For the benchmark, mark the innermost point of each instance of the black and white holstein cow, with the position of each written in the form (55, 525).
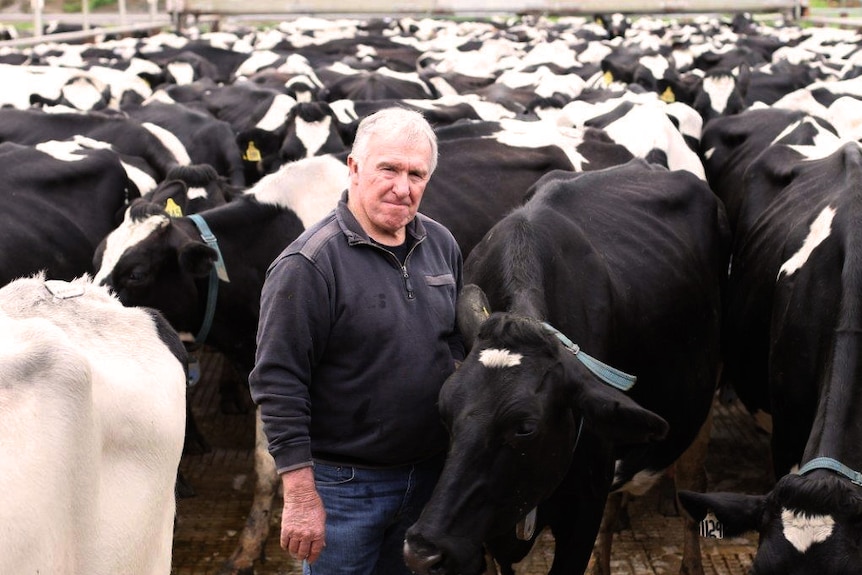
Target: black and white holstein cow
(794, 319)
(59, 201)
(627, 262)
(147, 151)
(730, 144)
(92, 412)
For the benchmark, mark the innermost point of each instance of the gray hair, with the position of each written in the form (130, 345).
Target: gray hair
(395, 122)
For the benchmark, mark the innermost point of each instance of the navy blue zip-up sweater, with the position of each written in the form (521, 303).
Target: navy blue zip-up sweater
(352, 347)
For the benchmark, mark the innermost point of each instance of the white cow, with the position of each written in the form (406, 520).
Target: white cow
(92, 417)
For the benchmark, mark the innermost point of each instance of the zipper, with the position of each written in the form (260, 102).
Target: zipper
(408, 283)
(405, 275)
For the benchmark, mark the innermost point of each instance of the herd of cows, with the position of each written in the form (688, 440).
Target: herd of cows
(660, 202)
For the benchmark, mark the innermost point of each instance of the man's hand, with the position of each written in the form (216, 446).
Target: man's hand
(302, 518)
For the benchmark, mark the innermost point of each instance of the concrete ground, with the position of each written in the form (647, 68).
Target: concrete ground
(208, 524)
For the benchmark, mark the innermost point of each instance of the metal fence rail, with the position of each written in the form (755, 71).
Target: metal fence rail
(456, 6)
(480, 6)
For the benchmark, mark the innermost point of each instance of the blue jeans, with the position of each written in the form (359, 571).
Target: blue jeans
(368, 512)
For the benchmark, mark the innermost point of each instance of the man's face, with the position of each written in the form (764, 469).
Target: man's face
(387, 186)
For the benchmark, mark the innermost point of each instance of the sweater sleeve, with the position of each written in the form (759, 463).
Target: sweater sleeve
(294, 311)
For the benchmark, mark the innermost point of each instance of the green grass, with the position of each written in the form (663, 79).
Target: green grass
(75, 6)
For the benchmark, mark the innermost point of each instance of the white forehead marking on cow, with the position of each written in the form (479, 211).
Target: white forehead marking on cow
(656, 64)
(277, 112)
(803, 531)
(82, 93)
(195, 193)
(313, 134)
(499, 358)
(708, 154)
(288, 187)
(171, 142)
(125, 236)
(719, 89)
(142, 180)
(182, 72)
(820, 229)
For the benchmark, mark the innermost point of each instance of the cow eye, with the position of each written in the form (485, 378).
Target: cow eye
(135, 277)
(525, 429)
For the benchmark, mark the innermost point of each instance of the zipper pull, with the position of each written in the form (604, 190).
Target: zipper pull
(408, 284)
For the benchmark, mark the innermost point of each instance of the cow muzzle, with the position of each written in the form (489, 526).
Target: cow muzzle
(426, 558)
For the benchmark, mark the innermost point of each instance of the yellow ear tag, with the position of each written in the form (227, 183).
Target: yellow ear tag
(485, 311)
(252, 154)
(667, 96)
(608, 77)
(173, 209)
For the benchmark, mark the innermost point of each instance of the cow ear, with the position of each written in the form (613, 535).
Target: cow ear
(173, 197)
(473, 310)
(738, 513)
(197, 258)
(608, 410)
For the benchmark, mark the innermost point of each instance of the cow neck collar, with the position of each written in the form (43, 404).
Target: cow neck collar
(217, 272)
(833, 465)
(610, 375)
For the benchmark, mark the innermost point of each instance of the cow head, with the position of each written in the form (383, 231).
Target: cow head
(514, 411)
(722, 92)
(151, 261)
(807, 524)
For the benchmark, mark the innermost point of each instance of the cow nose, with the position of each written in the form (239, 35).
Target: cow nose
(421, 556)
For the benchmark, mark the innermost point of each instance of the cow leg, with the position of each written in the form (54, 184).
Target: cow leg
(604, 539)
(254, 534)
(690, 474)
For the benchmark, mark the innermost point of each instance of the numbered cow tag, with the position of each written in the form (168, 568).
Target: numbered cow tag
(711, 527)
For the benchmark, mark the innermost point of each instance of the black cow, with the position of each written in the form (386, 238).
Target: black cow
(206, 139)
(792, 337)
(345, 83)
(628, 263)
(57, 207)
(148, 152)
(730, 144)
